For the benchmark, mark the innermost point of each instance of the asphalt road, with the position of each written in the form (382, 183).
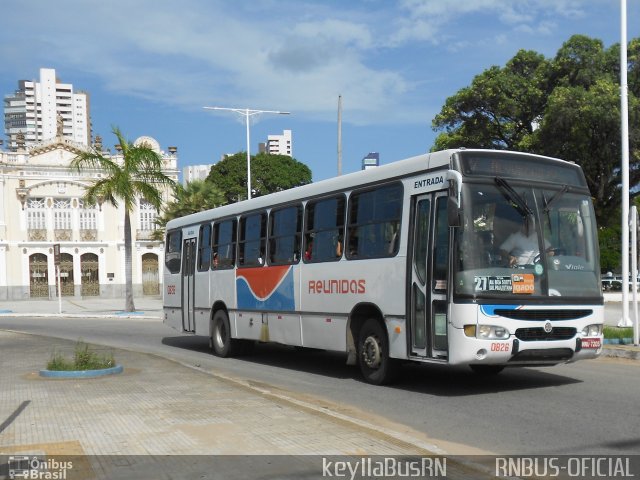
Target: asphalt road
(584, 408)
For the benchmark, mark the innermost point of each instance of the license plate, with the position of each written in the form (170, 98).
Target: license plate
(591, 343)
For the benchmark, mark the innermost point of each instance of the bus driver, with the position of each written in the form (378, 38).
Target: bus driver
(521, 247)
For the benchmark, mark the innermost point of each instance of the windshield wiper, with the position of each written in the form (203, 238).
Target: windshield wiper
(556, 197)
(512, 196)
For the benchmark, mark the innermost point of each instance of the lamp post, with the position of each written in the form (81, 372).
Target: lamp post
(624, 127)
(246, 113)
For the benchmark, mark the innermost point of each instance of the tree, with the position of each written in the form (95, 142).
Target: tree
(196, 196)
(136, 174)
(583, 126)
(567, 107)
(269, 174)
(500, 108)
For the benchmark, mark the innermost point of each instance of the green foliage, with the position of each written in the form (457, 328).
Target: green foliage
(138, 175)
(617, 333)
(84, 359)
(610, 247)
(197, 196)
(500, 107)
(137, 172)
(567, 107)
(269, 174)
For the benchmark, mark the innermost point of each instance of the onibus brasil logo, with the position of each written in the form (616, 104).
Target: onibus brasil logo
(37, 468)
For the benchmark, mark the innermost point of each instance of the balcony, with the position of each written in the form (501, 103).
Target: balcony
(88, 235)
(63, 234)
(37, 234)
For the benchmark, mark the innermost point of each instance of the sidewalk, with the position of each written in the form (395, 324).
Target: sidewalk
(160, 419)
(149, 307)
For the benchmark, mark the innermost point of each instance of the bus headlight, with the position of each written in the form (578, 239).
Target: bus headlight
(492, 332)
(592, 330)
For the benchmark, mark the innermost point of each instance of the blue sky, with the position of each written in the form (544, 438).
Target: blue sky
(151, 65)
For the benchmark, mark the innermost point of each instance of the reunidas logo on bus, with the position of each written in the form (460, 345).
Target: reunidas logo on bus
(335, 286)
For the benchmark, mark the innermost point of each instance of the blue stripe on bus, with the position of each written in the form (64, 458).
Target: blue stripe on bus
(490, 310)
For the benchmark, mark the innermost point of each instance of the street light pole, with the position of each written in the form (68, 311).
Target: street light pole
(246, 113)
(624, 127)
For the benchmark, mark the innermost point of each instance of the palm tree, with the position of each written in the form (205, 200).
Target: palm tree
(138, 175)
(196, 196)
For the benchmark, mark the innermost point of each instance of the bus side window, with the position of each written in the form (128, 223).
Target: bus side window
(224, 244)
(173, 251)
(324, 230)
(441, 245)
(285, 226)
(253, 230)
(374, 222)
(204, 248)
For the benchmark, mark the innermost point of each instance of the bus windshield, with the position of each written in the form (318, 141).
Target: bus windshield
(520, 241)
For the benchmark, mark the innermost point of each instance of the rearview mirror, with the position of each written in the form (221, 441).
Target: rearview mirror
(453, 212)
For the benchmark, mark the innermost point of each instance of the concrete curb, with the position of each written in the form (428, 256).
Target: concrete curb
(114, 316)
(629, 352)
(81, 373)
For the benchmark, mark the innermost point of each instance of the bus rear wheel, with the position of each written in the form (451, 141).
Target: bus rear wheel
(373, 354)
(221, 342)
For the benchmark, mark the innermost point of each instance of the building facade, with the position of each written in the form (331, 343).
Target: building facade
(372, 160)
(195, 172)
(41, 206)
(35, 111)
(280, 144)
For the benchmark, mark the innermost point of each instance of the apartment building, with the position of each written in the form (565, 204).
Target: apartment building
(280, 144)
(35, 111)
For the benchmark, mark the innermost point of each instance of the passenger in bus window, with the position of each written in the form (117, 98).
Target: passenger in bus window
(353, 241)
(309, 251)
(338, 247)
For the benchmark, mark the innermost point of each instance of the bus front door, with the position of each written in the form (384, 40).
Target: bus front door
(188, 284)
(428, 265)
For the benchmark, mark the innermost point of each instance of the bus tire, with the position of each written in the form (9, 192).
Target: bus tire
(373, 354)
(486, 370)
(222, 343)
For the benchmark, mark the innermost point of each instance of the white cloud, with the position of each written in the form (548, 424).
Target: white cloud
(296, 55)
(211, 53)
(432, 20)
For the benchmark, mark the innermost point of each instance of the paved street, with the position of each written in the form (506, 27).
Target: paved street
(176, 397)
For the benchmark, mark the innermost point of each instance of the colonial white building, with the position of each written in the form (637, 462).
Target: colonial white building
(41, 206)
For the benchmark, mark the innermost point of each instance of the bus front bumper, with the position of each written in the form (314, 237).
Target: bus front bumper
(515, 352)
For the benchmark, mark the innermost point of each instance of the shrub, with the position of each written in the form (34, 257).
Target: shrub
(84, 359)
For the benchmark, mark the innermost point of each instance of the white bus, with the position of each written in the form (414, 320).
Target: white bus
(400, 263)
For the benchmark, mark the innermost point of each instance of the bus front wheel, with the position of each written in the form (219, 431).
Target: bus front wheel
(373, 354)
(221, 341)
